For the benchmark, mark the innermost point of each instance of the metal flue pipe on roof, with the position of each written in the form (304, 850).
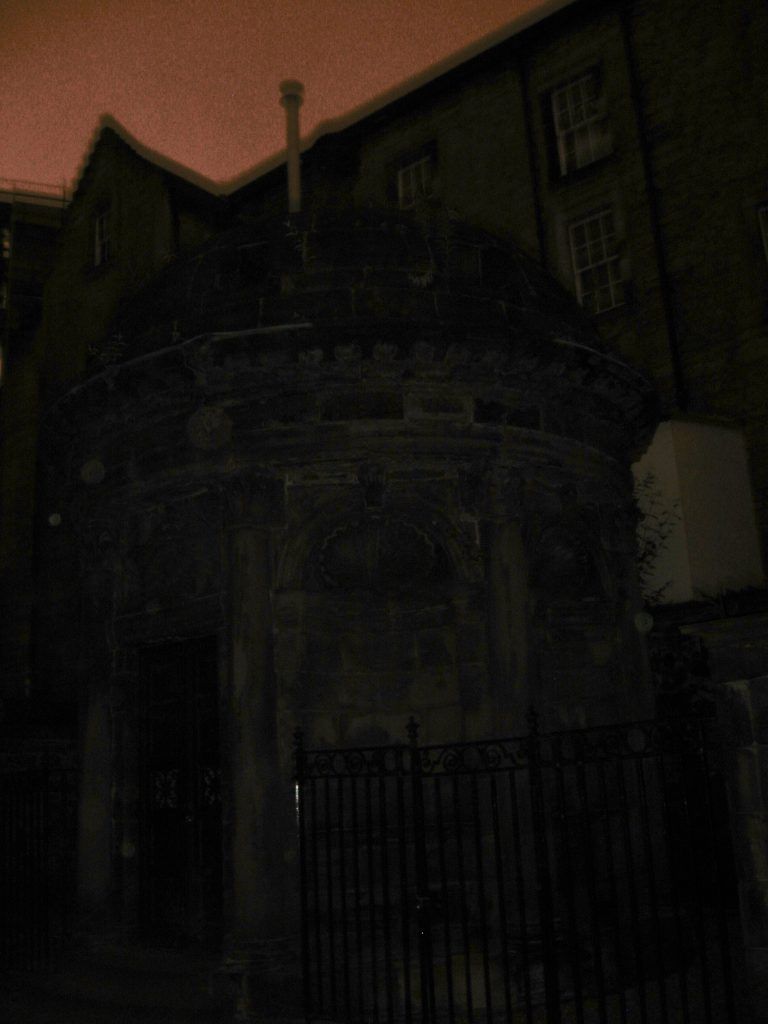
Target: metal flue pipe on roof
(291, 98)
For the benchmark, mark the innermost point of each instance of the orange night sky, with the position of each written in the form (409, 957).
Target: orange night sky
(197, 80)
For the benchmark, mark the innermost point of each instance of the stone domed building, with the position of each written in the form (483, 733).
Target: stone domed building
(329, 473)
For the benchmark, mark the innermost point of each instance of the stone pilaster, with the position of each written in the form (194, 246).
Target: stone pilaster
(499, 509)
(259, 928)
(95, 881)
(94, 854)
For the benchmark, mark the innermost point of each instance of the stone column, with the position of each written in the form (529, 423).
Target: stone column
(94, 860)
(744, 718)
(261, 933)
(94, 834)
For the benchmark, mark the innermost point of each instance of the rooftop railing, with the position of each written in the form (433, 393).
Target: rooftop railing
(34, 191)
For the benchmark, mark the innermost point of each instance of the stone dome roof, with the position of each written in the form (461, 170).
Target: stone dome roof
(274, 341)
(357, 276)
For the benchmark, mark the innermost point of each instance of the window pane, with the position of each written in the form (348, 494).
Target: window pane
(578, 123)
(596, 263)
(414, 180)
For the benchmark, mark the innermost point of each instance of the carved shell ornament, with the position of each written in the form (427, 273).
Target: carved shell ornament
(209, 428)
(376, 553)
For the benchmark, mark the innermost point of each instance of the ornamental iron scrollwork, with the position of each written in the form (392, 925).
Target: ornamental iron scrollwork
(355, 762)
(165, 789)
(210, 786)
(609, 743)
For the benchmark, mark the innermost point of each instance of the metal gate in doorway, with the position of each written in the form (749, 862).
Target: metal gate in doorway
(37, 855)
(570, 877)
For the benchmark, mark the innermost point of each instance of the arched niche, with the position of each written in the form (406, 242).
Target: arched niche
(378, 620)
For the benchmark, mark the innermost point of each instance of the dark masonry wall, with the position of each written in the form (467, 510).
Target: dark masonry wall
(29, 224)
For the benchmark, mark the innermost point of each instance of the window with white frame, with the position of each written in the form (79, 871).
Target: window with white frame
(101, 247)
(415, 181)
(762, 219)
(578, 113)
(596, 265)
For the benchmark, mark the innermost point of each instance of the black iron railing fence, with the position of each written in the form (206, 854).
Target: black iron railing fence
(581, 876)
(37, 845)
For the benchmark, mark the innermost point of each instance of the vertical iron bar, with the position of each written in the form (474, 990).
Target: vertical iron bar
(698, 902)
(463, 891)
(521, 894)
(329, 892)
(32, 900)
(43, 860)
(28, 878)
(404, 898)
(385, 896)
(343, 899)
(423, 915)
(652, 892)
(629, 860)
(543, 876)
(17, 944)
(300, 766)
(568, 879)
(9, 869)
(501, 895)
(4, 901)
(5, 866)
(597, 951)
(444, 897)
(29, 860)
(21, 869)
(722, 921)
(33, 909)
(672, 857)
(614, 895)
(481, 895)
(358, 897)
(17, 947)
(316, 894)
(371, 896)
